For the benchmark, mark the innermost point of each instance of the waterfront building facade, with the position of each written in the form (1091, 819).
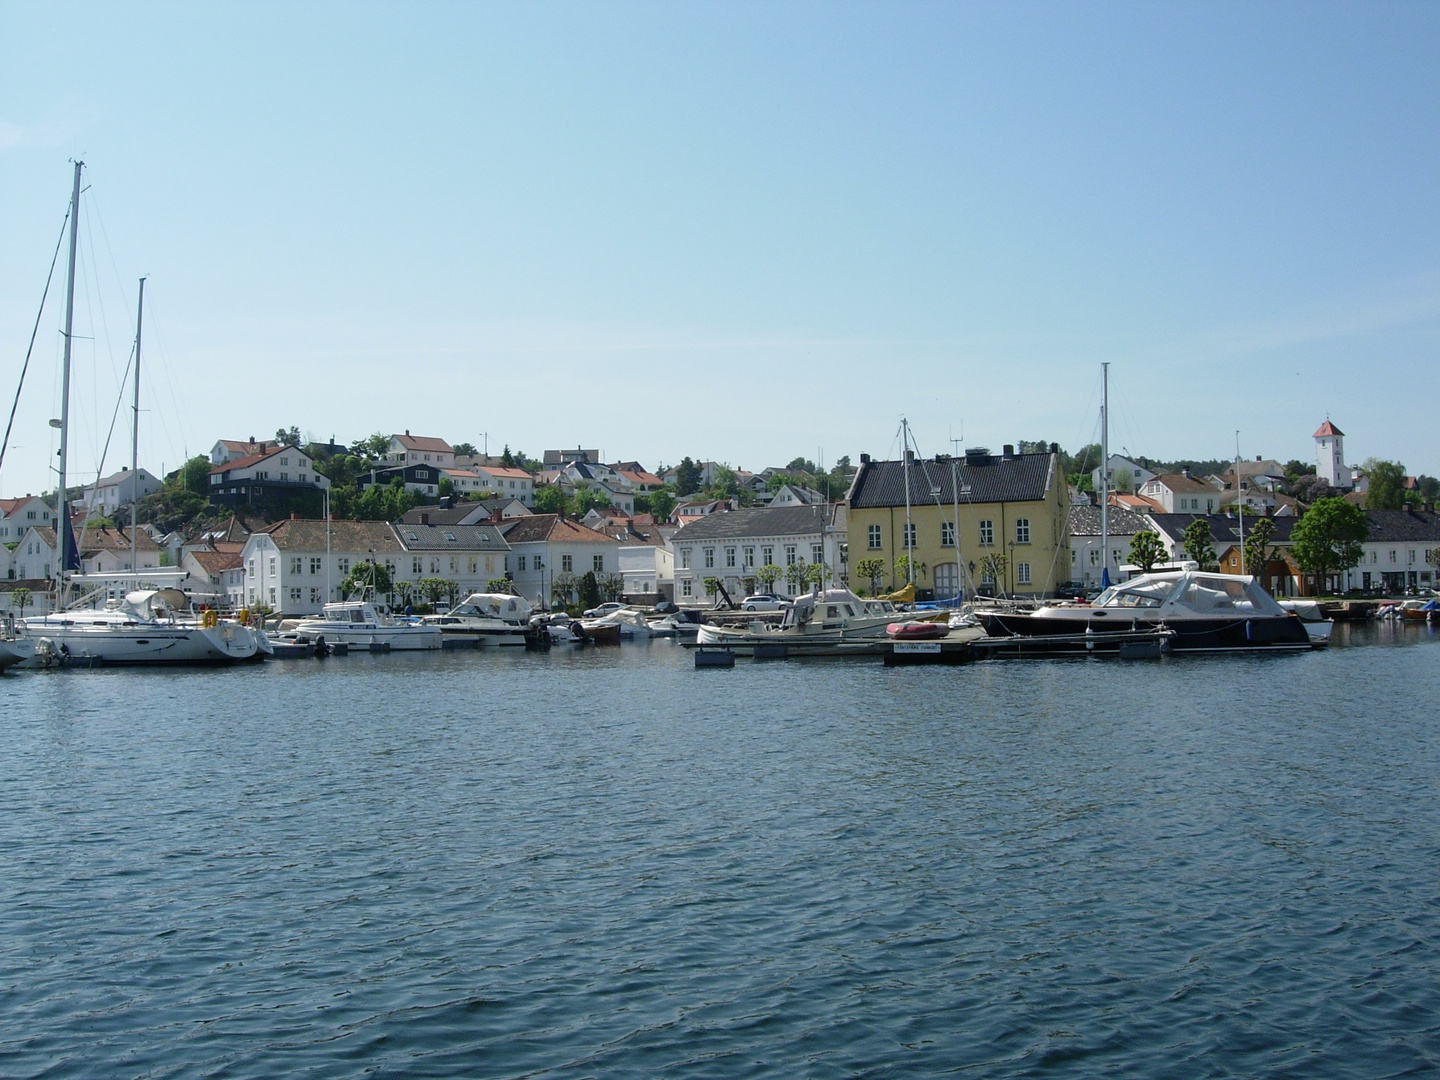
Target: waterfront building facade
(732, 546)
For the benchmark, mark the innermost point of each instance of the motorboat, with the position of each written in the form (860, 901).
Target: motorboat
(835, 620)
(15, 650)
(491, 618)
(1198, 610)
(360, 624)
(685, 623)
(631, 623)
(147, 626)
(1312, 617)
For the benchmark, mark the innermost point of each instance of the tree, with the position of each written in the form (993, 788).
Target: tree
(1385, 485)
(373, 447)
(1432, 557)
(405, 592)
(903, 566)
(795, 575)
(816, 573)
(767, 575)
(1428, 488)
(464, 449)
(562, 588)
(446, 487)
(873, 570)
(1256, 553)
(1328, 538)
(1309, 488)
(802, 464)
(368, 574)
(589, 590)
(662, 504)
(288, 436)
(550, 500)
(712, 587)
(507, 459)
(1147, 549)
(195, 476)
(498, 585)
(992, 568)
(18, 599)
(687, 477)
(433, 588)
(612, 586)
(1197, 543)
(590, 497)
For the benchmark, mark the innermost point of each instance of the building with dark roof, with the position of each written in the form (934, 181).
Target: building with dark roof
(732, 547)
(1012, 532)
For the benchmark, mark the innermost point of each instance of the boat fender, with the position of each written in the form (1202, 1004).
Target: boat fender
(1249, 630)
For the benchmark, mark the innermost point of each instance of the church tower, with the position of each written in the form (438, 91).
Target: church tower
(1330, 455)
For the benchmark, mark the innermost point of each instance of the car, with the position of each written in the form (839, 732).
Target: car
(607, 608)
(763, 602)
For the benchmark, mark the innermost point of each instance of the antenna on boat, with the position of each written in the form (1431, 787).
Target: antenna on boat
(135, 443)
(62, 524)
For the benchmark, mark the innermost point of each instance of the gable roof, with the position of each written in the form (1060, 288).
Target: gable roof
(1085, 521)
(9, 506)
(418, 537)
(1386, 526)
(808, 520)
(215, 562)
(527, 530)
(252, 459)
(91, 540)
(1223, 528)
(1021, 478)
(1179, 482)
(419, 442)
(502, 471)
(308, 534)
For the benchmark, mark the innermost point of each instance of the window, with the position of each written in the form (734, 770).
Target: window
(709, 558)
(343, 566)
(599, 561)
(874, 537)
(521, 564)
(272, 596)
(684, 558)
(789, 554)
(1022, 529)
(947, 579)
(295, 564)
(817, 553)
(434, 566)
(768, 554)
(316, 564)
(417, 565)
(314, 595)
(750, 556)
(295, 595)
(272, 565)
(987, 533)
(947, 535)
(730, 556)
(685, 587)
(907, 539)
(539, 563)
(565, 564)
(1392, 556)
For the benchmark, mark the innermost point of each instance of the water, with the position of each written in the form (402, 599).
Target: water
(609, 864)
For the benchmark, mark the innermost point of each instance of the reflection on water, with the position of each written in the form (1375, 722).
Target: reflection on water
(607, 863)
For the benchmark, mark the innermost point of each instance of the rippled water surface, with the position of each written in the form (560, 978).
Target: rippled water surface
(610, 864)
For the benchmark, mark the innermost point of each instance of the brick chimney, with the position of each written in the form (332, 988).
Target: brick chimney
(424, 518)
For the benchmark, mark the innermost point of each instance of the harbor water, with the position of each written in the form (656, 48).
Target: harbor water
(607, 863)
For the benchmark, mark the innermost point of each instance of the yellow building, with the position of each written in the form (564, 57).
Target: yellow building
(1012, 508)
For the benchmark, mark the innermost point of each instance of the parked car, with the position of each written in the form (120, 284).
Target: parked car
(607, 608)
(763, 602)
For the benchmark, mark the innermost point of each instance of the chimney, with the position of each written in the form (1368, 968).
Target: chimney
(407, 431)
(864, 459)
(294, 515)
(1008, 450)
(424, 519)
(910, 456)
(1185, 471)
(1054, 448)
(252, 440)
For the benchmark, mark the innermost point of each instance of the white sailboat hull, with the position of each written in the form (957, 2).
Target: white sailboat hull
(115, 643)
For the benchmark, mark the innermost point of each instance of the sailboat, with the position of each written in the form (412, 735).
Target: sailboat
(147, 625)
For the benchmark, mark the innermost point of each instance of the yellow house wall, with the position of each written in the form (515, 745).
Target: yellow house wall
(1049, 535)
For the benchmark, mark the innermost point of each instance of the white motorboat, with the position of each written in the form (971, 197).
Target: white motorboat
(149, 626)
(15, 650)
(632, 625)
(833, 620)
(359, 624)
(1312, 618)
(491, 618)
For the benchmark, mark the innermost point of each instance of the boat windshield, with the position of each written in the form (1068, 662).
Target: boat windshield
(1140, 594)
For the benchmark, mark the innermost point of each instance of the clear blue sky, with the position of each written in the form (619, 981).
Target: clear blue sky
(741, 232)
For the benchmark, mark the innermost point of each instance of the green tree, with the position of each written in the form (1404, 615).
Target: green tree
(373, 447)
(1257, 549)
(1147, 549)
(562, 588)
(19, 598)
(195, 476)
(795, 575)
(1428, 488)
(499, 585)
(368, 574)
(590, 497)
(507, 459)
(662, 504)
(550, 500)
(726, 484)
(464, 449)
(687, 477)
(612, 586)
(1328, 539)
(816, 573)
(712, 588)
(767, 575)
(1198, 545)
(803, 465)
(872, 569)
(446, 487)
(993, 566)
(288, 436)
(903, 566)
(434, 589)
(405, 592)
(1385, 485)
(589, 590)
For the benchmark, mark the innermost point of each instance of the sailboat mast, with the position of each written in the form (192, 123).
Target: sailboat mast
(1239, 505)
(905, 472)
(62, 509)
(1104, 472)
(135, 441)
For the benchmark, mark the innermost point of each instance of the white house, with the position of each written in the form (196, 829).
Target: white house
(18, 515)
(410, 449)
(107, 551)
(732, 546)
(545, 548)
(35, 554)
(648, 570)
(795, 495)
(1181, 493)
(1120, 469)
(1086, 558)
(1396, 555)
(119, 489)
(214, 577)
(279, 468)
(467, 556)
(508, 483)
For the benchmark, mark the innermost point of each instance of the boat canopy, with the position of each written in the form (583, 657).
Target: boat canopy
(504, 606)
(1195, 590)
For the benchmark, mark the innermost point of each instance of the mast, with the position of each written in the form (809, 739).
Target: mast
(1239, 506)
(135, 440)
(62, 510)
(1105, 474)
(905, 472)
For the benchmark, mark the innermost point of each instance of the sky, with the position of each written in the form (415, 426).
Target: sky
(742, 232)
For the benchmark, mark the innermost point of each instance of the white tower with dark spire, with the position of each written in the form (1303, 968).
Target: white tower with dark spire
(1330, 455)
